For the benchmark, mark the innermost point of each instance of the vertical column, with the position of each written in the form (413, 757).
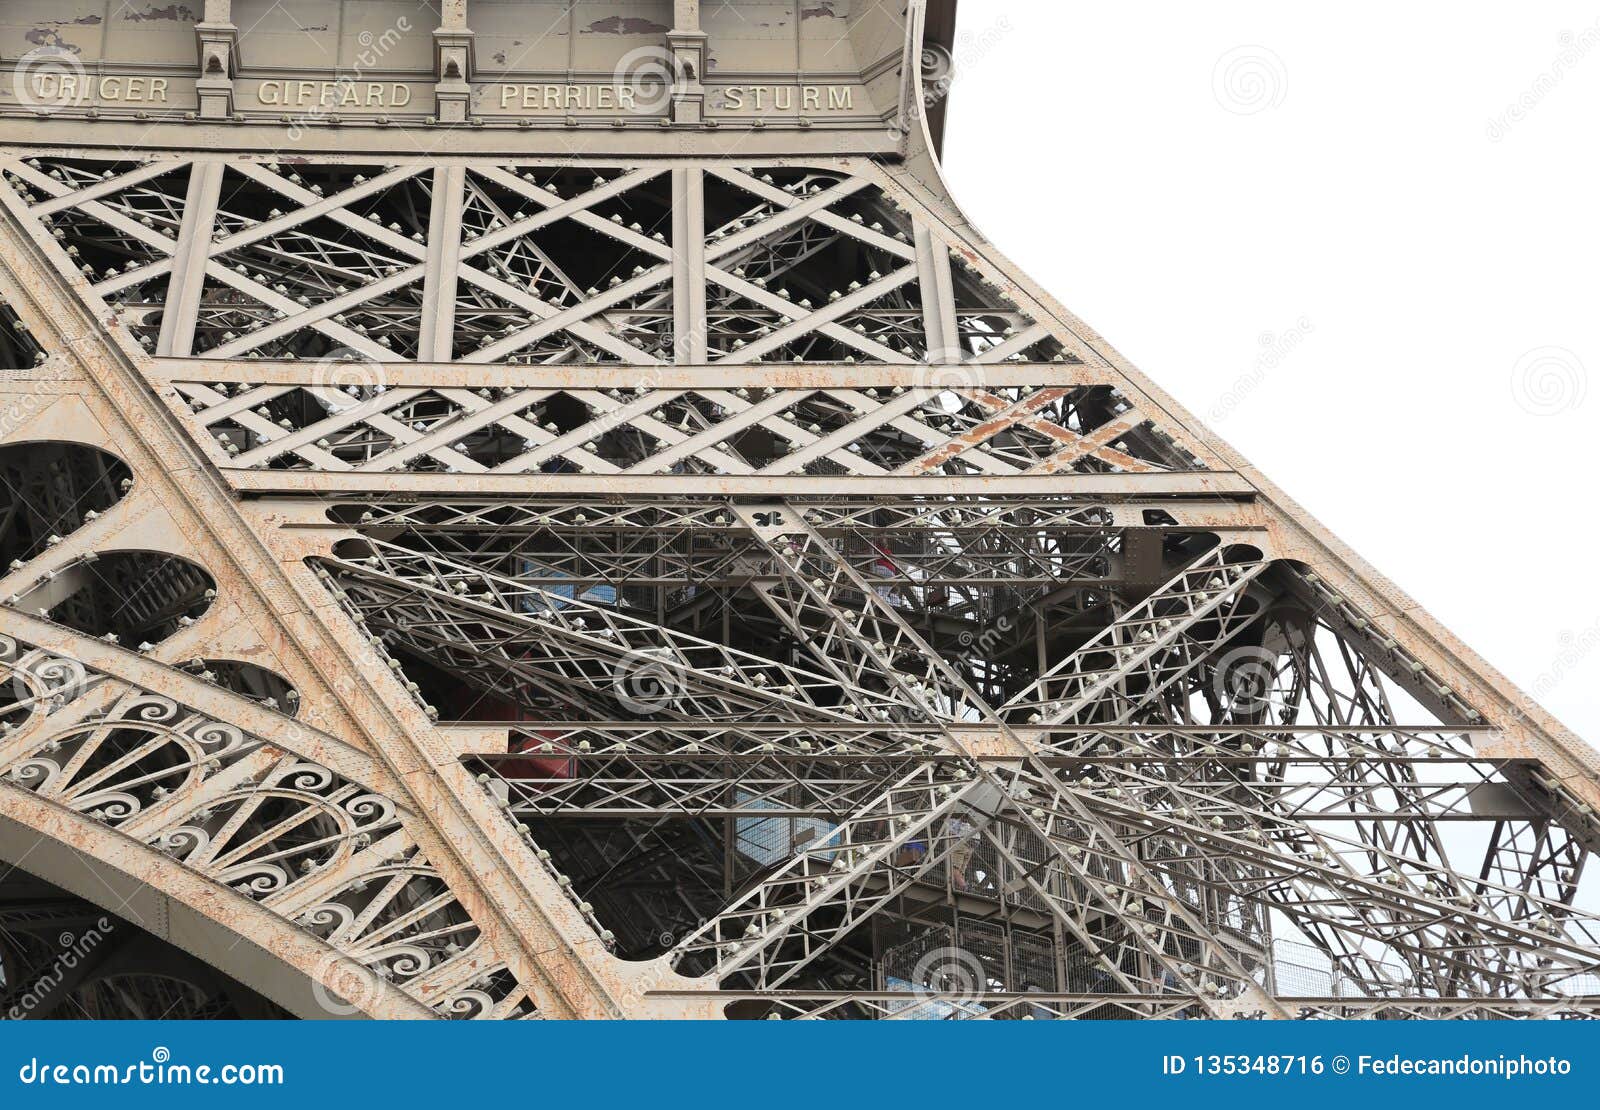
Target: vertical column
(219, 47)
(444, 255)
(938, 298)
(689, 266)
(909, 112)
(687, 45)
(452, 63)
(189, 262)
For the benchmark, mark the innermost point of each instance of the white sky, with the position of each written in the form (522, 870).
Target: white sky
(1355, 200)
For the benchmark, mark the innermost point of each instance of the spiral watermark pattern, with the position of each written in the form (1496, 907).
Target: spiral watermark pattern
(939, 71)
(1549, 380)
(938, 74)
(342, 988)
(352, 372)
(937, 65)
(952, 976)
(646, 80)
(645, 682)
(946, 372)
(1244, 678)
(49, 79)
(1250, 79)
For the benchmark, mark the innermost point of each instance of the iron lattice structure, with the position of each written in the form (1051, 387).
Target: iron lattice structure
(637, 570)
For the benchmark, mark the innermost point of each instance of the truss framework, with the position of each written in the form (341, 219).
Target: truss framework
(687, 586)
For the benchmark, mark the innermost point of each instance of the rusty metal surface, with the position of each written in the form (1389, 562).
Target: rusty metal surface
(731, 626)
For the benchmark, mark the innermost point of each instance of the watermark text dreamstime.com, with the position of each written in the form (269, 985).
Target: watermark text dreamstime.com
(373, 48)
(940, 72)
(1576, 47)
(158, 1071)
(1276, 347)
(1576, 647)
(73, 950)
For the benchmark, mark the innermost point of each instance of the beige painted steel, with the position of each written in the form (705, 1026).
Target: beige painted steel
(252, 529)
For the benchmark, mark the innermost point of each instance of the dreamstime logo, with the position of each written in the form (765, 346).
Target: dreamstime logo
(350, 371)
(73, 951)
(24, 407)
(646, 682)
(1250, 79)
(938, 75)
(646, 79)
(988, 640)
(1575, 648)
(343, 89)
(628, 1000)
(48, 79)
(951, 975)
(343, 988)
(1244, 679)
(1276, 347)
(937, 65)
(1574, 49)
(940, 71)
(1549, 380)
(948, 384)
(945, 373)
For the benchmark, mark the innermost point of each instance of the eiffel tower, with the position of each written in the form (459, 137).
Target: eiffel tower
(550, 510)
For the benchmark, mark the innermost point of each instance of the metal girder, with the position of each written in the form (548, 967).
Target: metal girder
(934, 1003)
(835, 614)
(308, 844)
